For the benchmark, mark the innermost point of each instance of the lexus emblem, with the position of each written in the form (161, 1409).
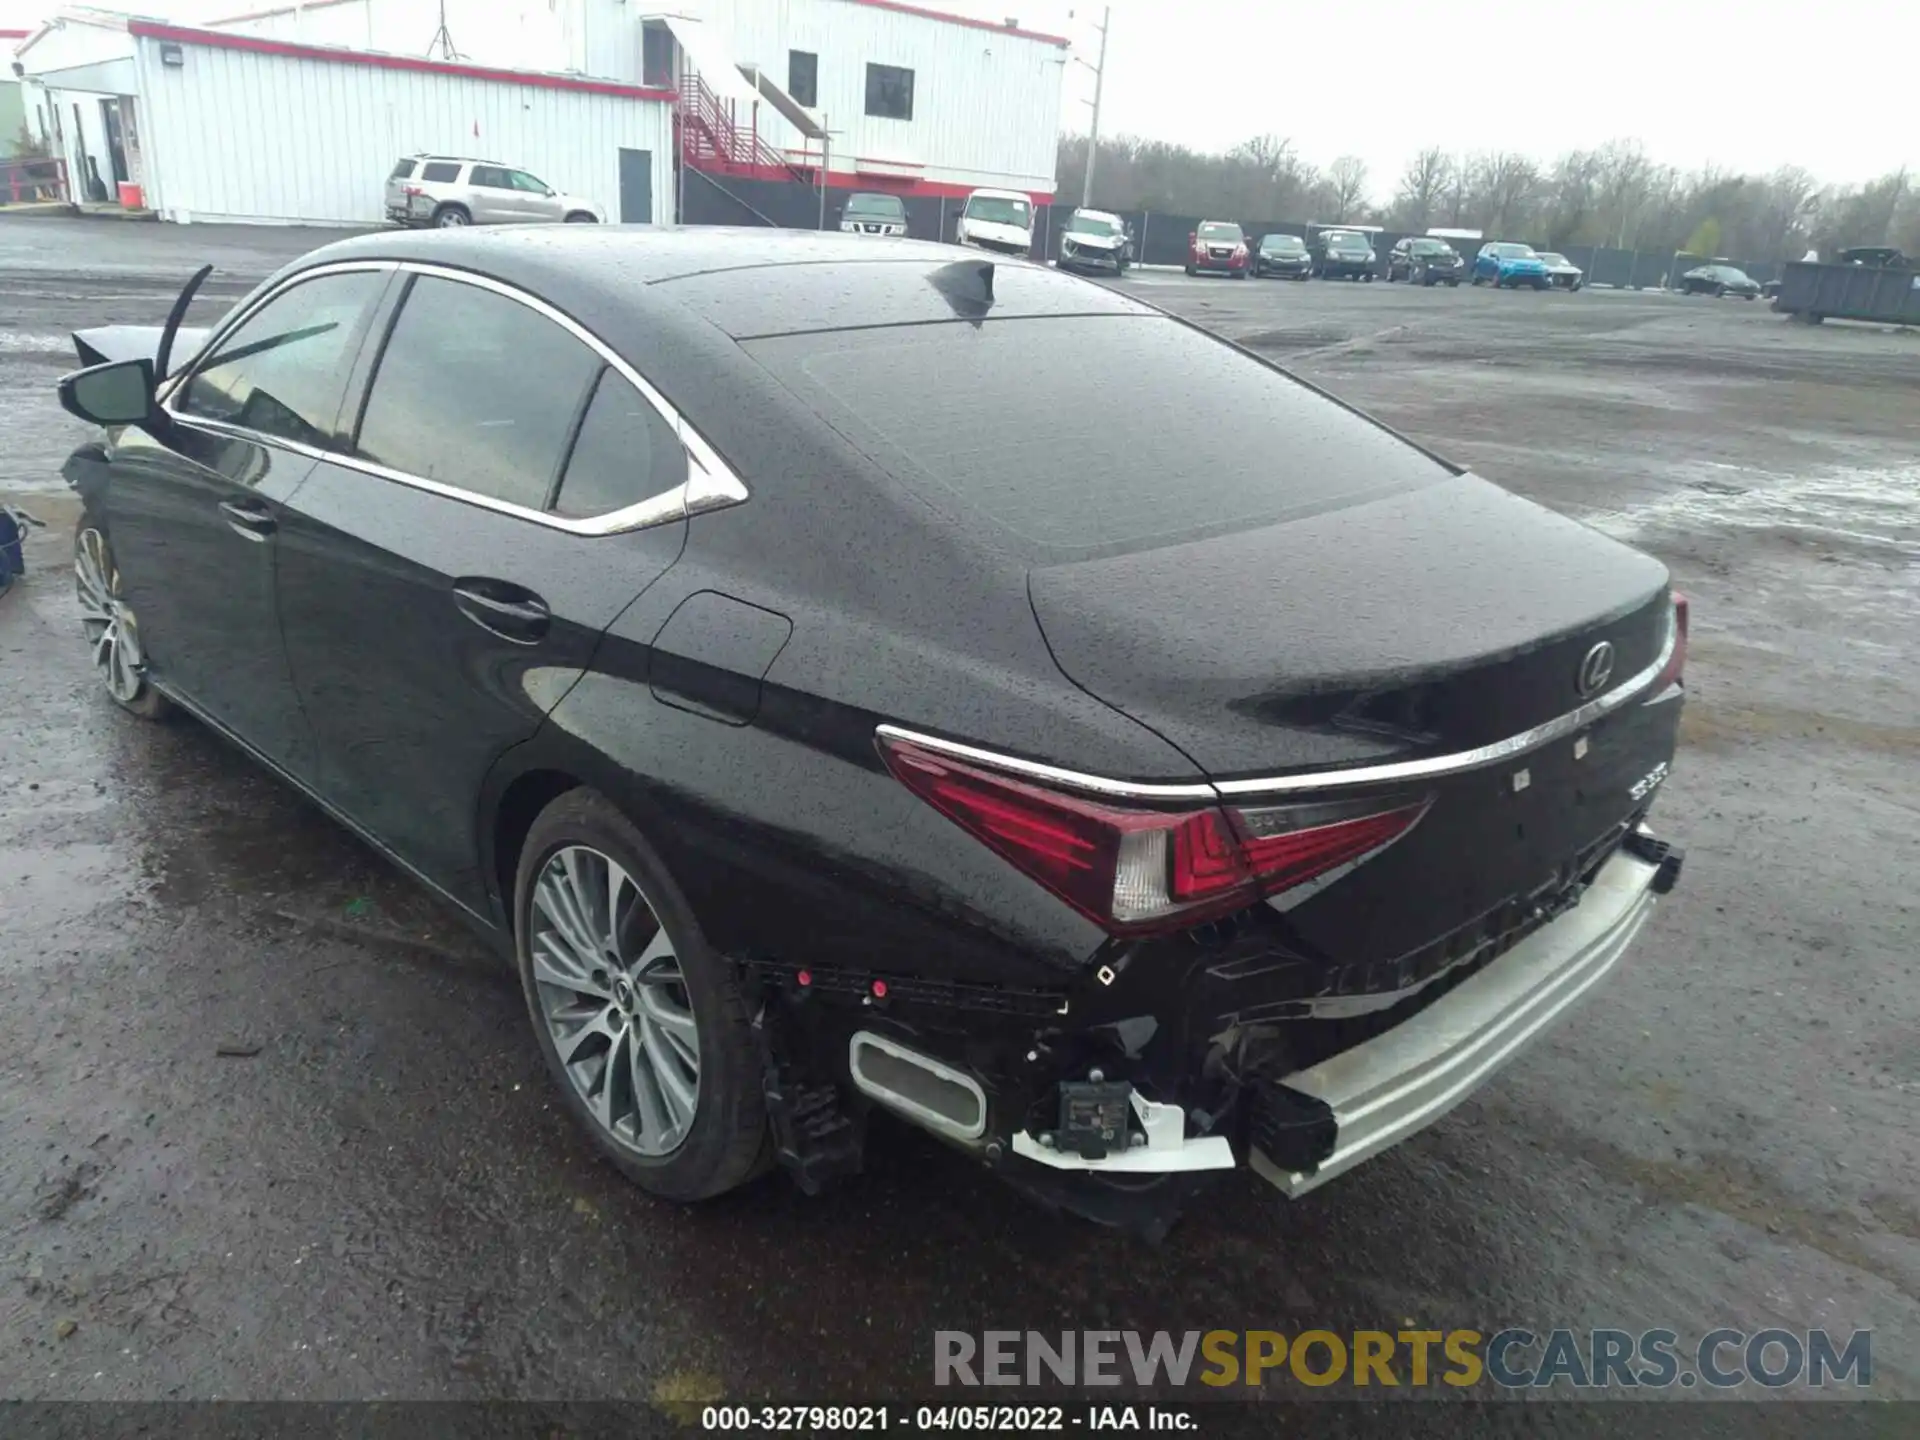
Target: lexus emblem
(1597, 668)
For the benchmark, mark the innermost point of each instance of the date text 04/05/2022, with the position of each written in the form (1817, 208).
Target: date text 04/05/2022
(992, 1419)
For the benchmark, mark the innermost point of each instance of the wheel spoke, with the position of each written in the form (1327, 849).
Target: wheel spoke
(556, 901)
(652, 1112)
(571, 1046)
(679, 1085)
(554, 963)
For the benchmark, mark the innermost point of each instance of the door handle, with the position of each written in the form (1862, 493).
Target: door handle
(249, 521)
(510, 611)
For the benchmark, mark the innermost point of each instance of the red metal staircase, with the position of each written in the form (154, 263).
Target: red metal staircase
(713, 138)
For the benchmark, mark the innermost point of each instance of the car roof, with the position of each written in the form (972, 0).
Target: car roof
(745, 282)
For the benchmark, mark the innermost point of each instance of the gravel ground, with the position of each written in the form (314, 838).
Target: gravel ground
(376, 1197)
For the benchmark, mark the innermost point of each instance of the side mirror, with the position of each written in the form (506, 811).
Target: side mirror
(117, 393)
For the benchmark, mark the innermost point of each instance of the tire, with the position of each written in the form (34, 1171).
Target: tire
(111, 628)
(1454, 284)
(1719, 292)
(720, 1139)
(451, 217)
(1749, 297)
(1368, 277)
(1239, 274)
(581, 217)
(1540, 285)
(1476, 279)
(1191, 272)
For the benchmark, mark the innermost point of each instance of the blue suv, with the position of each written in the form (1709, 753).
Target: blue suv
(1503, 262)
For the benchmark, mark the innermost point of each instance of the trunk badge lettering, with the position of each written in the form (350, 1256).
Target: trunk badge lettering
(1597, 668)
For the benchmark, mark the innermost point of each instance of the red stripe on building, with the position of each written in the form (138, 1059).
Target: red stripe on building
(862, 180)
(220, 40)
(966, 20)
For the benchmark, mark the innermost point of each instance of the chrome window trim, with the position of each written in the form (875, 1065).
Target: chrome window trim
(1428, 768)
(711, 483)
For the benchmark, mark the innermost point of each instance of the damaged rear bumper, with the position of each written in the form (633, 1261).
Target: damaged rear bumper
(1383, 1090)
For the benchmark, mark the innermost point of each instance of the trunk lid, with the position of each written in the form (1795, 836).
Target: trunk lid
(1417, 627)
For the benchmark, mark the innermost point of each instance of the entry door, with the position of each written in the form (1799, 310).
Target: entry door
(636, 187)
(116, 146)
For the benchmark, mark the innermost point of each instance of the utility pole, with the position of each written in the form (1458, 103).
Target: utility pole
(1099, 80)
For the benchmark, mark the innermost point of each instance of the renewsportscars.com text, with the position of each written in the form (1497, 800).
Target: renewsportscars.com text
(1513, 1359)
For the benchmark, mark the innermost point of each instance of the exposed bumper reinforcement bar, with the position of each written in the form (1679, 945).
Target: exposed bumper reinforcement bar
(1383, 1090)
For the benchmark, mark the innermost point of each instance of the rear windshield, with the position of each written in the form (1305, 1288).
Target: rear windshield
(402, 171)
(877, 207)
(1006, 425)
(440, 171)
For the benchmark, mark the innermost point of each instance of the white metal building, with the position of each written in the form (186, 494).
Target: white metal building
(914, 99)
(221, 125)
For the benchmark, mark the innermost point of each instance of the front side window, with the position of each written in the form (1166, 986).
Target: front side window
(523, 181)
(626, 451)
(890, 92)
(476, 391)
(283, 371)
(803, 77)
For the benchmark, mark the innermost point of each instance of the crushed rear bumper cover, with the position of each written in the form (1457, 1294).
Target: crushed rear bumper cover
(1383, 1090)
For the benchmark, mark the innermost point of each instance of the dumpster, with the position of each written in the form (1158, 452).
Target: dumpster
(1849, 292)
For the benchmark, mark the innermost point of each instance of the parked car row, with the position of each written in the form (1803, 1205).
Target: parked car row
(1220, 247)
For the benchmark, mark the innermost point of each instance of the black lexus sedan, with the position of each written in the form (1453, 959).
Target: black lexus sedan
(835, 697)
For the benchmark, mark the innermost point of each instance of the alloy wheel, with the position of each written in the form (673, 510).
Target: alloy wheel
(615, 1001)
(112, 632)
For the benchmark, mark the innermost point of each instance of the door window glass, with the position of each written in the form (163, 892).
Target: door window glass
(440, 172)
(523, 181)
(282, 372)
(476, 391)
(491, 177)
(626, 452)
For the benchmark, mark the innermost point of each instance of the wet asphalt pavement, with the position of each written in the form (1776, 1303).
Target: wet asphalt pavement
(272, 1124)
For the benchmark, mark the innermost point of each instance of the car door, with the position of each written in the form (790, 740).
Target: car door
(495, 201)
(537, 199)
(195, 506)
(509, 487)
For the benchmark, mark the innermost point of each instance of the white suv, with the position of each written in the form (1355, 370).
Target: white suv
(442, 191)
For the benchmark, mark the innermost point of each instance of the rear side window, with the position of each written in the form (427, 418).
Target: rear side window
(1006, 425)
(402, 171)
(626, 452)
(492, 177)
(476, 391)
(282, 372)
(443, 172)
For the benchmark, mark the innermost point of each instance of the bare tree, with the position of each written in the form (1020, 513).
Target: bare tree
(1423, 185)
(1347, 186)
(1505, 183)
(1574, 187)
(1624, 179)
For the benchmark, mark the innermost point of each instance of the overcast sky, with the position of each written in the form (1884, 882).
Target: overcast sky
(1738, 85)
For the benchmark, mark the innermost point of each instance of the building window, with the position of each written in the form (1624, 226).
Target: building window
(803, 77)
(656, 54)
(890, 92)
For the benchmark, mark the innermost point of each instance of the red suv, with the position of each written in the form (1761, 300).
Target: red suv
(1218, 247)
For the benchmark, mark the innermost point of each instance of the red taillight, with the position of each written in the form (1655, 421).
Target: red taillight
(1140, 870)
(1670, 674)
